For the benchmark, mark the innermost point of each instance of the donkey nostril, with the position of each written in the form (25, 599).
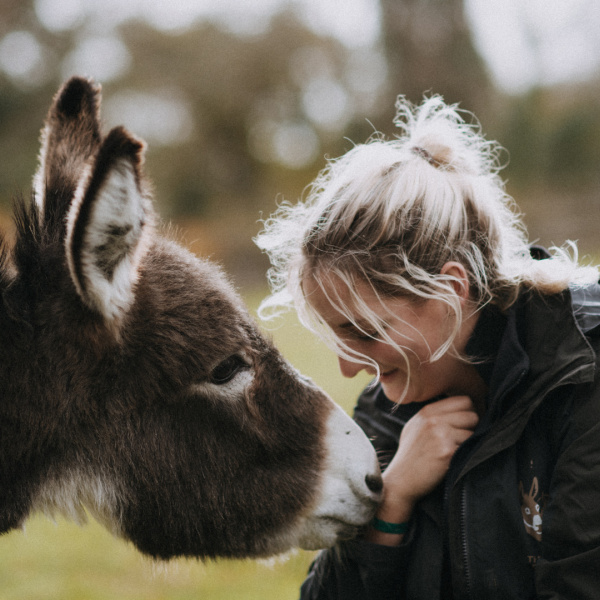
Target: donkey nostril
(374, 483)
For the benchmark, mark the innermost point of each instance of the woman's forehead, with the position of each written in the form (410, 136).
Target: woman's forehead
(340, 302)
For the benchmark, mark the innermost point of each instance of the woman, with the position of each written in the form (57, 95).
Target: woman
(407, 257)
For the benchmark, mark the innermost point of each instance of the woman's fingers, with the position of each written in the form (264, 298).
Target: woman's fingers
(445, 416)
(427, 444)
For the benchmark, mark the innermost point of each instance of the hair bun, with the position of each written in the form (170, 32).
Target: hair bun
(439, 134)
(439, 160)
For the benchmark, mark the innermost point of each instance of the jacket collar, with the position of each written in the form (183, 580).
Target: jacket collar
(553, 338)
(544, 339)
(543, 348)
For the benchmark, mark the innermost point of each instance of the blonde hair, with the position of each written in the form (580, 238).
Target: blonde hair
(391, 213)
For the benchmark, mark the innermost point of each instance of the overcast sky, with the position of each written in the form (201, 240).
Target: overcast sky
(537, 41)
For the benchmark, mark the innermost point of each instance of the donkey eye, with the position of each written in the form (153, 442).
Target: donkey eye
(227, 370)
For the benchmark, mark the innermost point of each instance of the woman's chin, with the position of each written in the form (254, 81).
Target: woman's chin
(396, 392)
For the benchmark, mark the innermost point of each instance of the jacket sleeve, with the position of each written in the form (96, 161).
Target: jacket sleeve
(359, 570)
(356, 570)
(570, 558)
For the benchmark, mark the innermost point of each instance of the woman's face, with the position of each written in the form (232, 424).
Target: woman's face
(419, 328)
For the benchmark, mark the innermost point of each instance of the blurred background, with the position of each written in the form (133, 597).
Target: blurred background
(241, 101)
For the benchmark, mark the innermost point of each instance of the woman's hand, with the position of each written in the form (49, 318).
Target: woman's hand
(427, 444)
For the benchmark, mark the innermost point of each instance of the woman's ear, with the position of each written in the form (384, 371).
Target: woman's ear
(459, 278)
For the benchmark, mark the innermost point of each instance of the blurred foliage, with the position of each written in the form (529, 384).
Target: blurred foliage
(256, 114)
(553, 135)
(232, 82)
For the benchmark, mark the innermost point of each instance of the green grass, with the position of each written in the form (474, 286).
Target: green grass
(63, 561)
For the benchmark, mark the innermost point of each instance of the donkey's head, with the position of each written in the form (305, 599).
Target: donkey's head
(135, 386)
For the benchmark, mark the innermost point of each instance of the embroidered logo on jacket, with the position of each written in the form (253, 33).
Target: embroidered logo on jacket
(532, 509)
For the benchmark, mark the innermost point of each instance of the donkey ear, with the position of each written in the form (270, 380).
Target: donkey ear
(70, 137)
(535, 487)
(109, 226)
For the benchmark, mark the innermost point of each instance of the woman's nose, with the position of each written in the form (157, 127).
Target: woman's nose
(349, 368)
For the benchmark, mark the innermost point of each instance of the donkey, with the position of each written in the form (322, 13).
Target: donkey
(135, 387)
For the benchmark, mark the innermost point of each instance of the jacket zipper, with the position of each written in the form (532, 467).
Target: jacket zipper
(464, 539)
(463, 511)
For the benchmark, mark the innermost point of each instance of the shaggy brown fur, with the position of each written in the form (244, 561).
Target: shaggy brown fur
(168, 416)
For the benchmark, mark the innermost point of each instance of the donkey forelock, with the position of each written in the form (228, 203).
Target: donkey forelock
(134, 383)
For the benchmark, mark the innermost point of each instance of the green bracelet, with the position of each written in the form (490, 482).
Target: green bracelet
(385, 527)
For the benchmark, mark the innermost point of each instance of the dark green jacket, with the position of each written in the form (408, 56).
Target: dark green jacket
(518, 515)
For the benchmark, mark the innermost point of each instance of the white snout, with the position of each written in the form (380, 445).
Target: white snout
(350, 487)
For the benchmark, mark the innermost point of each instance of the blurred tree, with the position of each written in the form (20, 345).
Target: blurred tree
(243, 92)
(253, 110)
(429, 48)
(553, 136)
(235, 120)
(11, 14)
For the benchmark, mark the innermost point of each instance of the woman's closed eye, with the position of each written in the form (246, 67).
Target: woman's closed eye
(354, 334)
(367, 336)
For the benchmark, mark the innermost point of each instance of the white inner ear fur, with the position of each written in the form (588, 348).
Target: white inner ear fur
(115, 239)
(39, 183)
